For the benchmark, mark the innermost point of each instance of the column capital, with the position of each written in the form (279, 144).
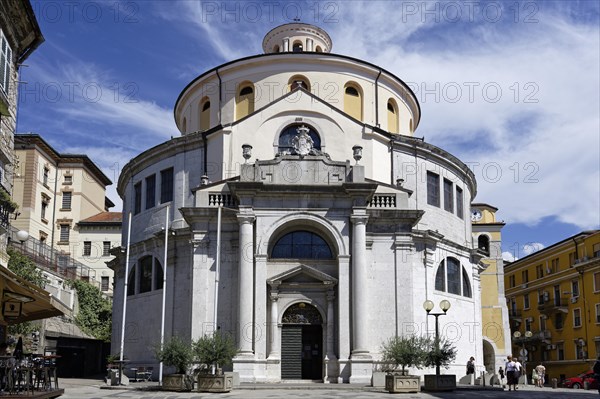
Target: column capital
(245, 218)
(359, 219)
(274, 296)
(330, 296)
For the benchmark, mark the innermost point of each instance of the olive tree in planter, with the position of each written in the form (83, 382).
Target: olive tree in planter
(214, 351)
(440, 353)
(176, 353)
(405, 351)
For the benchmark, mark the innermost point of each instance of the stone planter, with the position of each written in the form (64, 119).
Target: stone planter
(177, 382)
(444, 382)
(215, 383)
(402, 383)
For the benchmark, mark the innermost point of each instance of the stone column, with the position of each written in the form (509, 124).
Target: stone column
(246, 274)
(360, 297)
(286, 45)
(275, 345)
(330, 325)
(309, 45)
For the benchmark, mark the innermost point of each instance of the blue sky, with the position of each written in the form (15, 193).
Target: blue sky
(511, 88)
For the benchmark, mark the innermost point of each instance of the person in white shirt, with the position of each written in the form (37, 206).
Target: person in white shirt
(520, 371)
(511, 370)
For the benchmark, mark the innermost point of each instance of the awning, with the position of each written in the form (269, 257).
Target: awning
(24, 301)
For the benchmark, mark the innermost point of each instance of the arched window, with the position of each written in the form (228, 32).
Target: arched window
(440, 277)
(353, 101)
(276, 48)
(319, 49)
(287, 136)
(297, 47)
(451, 277)
(483, 243)
(392, 116)
(297, 81)
(145, 275)
(158, 275)
(466, 284)
(301, 245)
(204, 114)
(244, 102)
(131, 282)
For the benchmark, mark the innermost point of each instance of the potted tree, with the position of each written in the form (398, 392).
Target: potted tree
(440, 353)
(405, 351)
(176, 353)
(214, 351)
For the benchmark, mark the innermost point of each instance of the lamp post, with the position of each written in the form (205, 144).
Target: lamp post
(428, 306)
(523, 352)
(22, 236)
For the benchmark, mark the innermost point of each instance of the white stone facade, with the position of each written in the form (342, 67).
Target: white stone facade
(386, 243)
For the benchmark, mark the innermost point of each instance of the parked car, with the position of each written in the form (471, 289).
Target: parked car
(577, 381)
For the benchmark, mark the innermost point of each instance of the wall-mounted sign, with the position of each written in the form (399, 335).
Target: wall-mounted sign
(11, 309)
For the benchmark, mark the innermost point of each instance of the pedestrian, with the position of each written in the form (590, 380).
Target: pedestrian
(511, 369)
(534, 377)
(541, 372)
(501, 372)
(519, 372)
(471, 366)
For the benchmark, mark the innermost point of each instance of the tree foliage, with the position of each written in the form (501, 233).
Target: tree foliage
(441, 353)
(175, 352)
(406, 351)
(25, 268)
(95, 311)
(217, 349)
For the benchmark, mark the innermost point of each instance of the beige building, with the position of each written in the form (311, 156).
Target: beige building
(61, 198)
(487, 237)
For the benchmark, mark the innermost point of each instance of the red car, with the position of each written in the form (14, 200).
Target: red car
(577, 382)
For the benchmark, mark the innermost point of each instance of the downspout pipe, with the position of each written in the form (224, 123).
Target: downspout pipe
(220, 93)
(377, 98)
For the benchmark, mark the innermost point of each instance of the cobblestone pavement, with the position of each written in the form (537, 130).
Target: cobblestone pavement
(91, 389)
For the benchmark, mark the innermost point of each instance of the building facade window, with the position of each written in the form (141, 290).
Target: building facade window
(131, 282)
(64, 232)
(244, 102)
(571, 259)
(597, 282)
(577, 317)
(483, 243)
(297, 47)
(353, 101)
(137, 198)
(204, 114)
(557, 300)
(392, 116)
(166, 185)
(145, 274)
(44, 208)
(560, 351)
(526, 301)
(68, 179)
(299, 81)
(528, 324)
(539, 271)
(150, 191)
(6, 62)
(554, 265)
(433, 189)
(301, 245)
(106, 248)
(158, 275)
(511, 281)
(460, 209)
(558, 321)
(575, 288)
(596, 250)
(542, 322)
(149, 274)
(66, 200)
(448, 196)
(525, 276)
(45, 175)
(598, 315)
(451, 277)
(87, 248)
(104, 283)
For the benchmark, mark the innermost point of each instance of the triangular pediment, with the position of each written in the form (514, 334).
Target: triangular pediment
(302, 275)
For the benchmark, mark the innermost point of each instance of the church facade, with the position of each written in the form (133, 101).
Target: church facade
(304, 218)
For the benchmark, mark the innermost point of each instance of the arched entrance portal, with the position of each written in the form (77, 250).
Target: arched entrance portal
(489, 357)
(302, 343)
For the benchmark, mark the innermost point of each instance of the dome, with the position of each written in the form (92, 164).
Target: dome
(297, 37)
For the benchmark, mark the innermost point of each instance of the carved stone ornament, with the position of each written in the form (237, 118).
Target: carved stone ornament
(302, 142)
(302, 313)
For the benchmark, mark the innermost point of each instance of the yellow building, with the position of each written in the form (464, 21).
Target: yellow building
(555, 294)
(487, 238)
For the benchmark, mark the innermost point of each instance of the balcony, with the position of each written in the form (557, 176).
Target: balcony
(7, 206)
(555, 306)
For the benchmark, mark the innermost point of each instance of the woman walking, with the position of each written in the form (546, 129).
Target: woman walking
(512, 378)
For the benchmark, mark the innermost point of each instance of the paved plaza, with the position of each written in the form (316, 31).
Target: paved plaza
(92, 389)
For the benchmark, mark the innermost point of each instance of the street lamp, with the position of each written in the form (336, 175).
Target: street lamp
(22, 236)
(428, 306)
(523, 352)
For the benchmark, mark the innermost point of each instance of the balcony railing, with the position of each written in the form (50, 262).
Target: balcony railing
(52, 260)
(383, 201)
(223, 199)
(554, 306)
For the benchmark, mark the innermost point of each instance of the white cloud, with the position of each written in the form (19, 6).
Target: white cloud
(532, 247)
(508, 256)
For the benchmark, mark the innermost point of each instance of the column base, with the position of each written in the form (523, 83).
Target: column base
(361, 367)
